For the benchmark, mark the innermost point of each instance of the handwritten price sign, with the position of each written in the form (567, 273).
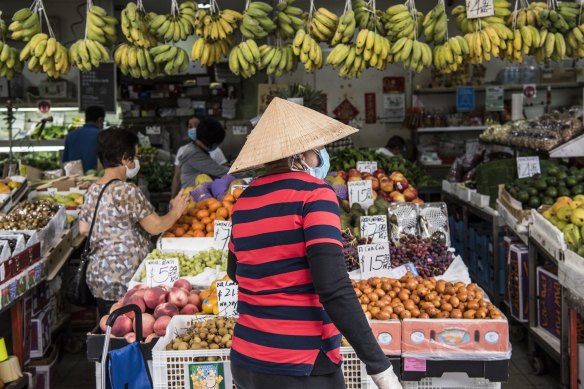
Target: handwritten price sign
(227, 298)
(528, 166)
(221, 234)
(375, 260)
(479, 8)
(374, 227)
(367, 166)
(360, 192)
(162, 271)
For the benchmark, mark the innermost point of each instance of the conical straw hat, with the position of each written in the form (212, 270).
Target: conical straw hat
(286, 129)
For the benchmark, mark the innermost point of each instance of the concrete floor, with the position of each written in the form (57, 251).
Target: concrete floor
(76, 372)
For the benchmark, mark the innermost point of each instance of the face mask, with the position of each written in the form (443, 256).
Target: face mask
(321, 171)
(131, 173)
(192, 134)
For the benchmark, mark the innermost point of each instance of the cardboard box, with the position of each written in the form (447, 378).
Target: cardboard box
(46, 370)
(518, 282)
(64, 184)
(513, 206)
(548, 235)
(388, 334)
(40, 335)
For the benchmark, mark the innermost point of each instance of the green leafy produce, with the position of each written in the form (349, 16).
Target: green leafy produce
(191, 266)
(157, 175)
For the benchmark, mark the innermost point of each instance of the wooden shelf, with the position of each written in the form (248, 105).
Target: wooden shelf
(450, 129)
(506, 88)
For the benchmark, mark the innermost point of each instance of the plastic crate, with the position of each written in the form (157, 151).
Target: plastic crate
(169, 366)
(453, 381)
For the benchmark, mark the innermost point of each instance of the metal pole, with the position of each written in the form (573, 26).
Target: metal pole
(9, 109)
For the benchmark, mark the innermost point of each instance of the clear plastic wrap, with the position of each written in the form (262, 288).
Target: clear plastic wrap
(571, 273)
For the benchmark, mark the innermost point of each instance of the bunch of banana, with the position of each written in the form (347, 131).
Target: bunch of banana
(553, 46)
(245, 59)
(135, 26)
(436, 24)
(87, 54)
(451, 55)
(402, 22)
(488, 42)
(472, 25)
(308, 50)
(170, 59)
(374, 48)
(369, 18)
(3, 27)
(101, 28)
(351, 64)
(575, 42)
(323, 24)
(211, 52)
(175, 27)
(26, 23)
(135, 61)
(278, 60)
(561, 20)
(218, 25)
(526, 40)
(346, 28)
(9, 62)
(47, 55)
(289, 19)
(256, 22)
(414, 54)
(527, 16)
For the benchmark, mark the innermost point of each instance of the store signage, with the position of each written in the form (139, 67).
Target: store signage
(367, 166)
(227, 298)
(360, 192)
(479, 8)
(153, 130)
(98, 87)
(215, 375)
(374, 227)
(162, 271)
(239, 130)
(221, 234)
(495, 98)
(530, 91)
(465, 99)
(528, 167)
(374, 260)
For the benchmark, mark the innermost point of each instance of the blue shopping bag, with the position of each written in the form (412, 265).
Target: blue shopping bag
(124, 368)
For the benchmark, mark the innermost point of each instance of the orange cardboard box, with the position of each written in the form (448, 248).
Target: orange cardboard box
(388, 334)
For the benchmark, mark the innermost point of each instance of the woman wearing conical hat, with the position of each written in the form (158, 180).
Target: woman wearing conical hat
(295, 296)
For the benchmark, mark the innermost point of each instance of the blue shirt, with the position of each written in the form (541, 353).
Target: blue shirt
(81, 144)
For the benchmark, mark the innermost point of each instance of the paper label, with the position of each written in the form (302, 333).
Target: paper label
(360, 192)
(374, 227)
(374, 260)
(227, 298)
(495, 98)
(239, 130)
(162, 271)
(367, 166)
(479, 8)
(528, 166)
(153, 130)
(221, 234)
(414, 364)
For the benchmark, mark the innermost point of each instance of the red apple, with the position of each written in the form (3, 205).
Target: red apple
(396, 176)
(354, 173)
(418, 200)
(365, 175)
(343, 175)
(401, 185)
(374, 183)
(386, 186)
(354, 178)
(410, 193)
(397, 197)
(379, 173)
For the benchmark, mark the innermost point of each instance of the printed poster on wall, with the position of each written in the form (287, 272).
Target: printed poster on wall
(394, 107)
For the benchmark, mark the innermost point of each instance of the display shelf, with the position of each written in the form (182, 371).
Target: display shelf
(506, 88)
(424, 130)
(542, 250)
(571, 149)
(547, 341)
(27, 145)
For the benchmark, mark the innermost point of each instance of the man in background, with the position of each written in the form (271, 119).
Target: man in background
(80, 144)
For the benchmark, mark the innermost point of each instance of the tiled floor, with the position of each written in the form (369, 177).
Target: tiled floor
(75, 372)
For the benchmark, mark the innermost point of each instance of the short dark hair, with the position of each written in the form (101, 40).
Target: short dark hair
(210, 132)
(94, 113)
(395, 142)
(115, 144)
(194, 117)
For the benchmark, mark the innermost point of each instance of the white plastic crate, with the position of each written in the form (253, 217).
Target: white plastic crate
(168, 367)
(451, 381)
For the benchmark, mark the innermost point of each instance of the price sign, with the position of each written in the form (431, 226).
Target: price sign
(221, 234)
(227, 298)
(479, 8)
(367, 166)
(153, 130)
(528, 166)
(374, 227)
(360, 192)
(374, 260)
(235, 187)
(162, 271)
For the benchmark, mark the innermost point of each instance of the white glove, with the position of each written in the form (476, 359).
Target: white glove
(386, 380)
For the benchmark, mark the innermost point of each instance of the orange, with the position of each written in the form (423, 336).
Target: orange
(219, 218)
(198, 226)
(193, 212)
(213, 205)
(199, 234)
(229, 198)
(237, 193)
(189, 234)
(179, 231)
(202, 214)
(206, 220)
(210, 227)
(223, 212)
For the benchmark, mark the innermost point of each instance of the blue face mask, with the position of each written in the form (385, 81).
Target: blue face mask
(321, 171)
(192, 134)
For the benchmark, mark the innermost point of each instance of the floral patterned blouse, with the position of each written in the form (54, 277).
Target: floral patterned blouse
(118, 242)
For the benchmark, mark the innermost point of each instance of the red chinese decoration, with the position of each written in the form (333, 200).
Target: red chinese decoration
(345, 111)
(370, 109)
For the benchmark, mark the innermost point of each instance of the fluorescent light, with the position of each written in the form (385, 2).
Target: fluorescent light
(30, 149)
(56, 109)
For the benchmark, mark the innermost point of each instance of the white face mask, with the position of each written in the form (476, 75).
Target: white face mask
(131, 173)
